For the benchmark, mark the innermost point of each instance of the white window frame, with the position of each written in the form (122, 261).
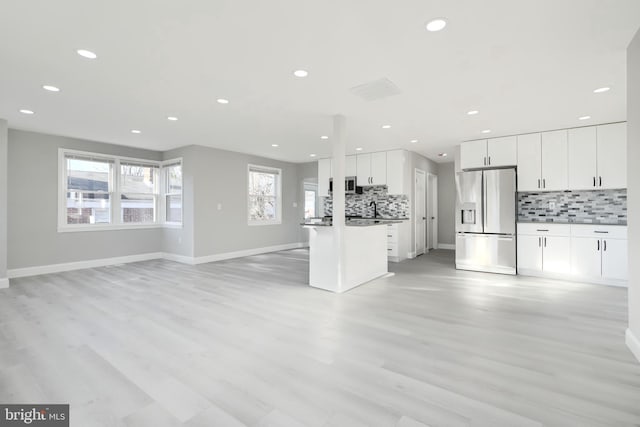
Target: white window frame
(165, 192)
(268, 169)
(115, 194)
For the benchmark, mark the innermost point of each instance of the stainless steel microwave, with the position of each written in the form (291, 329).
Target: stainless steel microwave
(350, 186)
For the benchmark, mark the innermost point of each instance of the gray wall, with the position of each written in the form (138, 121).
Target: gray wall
(633, 179)
(3, 200)
(222, 179)
(446, 203)
(33, 239)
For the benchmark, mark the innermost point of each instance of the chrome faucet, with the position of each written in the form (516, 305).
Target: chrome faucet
(375, 209)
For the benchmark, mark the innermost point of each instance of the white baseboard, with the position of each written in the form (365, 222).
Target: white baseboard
(447, 246)
(4, 283)
(633, 343)
(79, 265)
(183, 259)
(246, 252)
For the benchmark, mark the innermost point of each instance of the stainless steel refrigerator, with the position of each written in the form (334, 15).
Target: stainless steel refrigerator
(486, 221)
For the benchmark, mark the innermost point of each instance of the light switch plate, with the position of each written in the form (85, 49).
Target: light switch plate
(295, 204)
(219, 206)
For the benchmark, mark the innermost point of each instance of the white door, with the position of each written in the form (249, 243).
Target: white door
(586, 259)
(420, 212)
(612, 156)
(582, 158)
(554, 161)
(555, 254)
(530, 252)
(379, 168)
(614, 259)
(363, 166)
(473, 154)
(529, 159)
(351, 168)
(432, 212)
(324, 174)
(502, 151)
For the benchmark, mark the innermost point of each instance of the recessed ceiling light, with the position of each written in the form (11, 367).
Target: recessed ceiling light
(359, 149)
(472, 112)
(413, 141)
(436, 24)
(312, 155)
(324, 137)
(442, 154)
(27, 112)
(135, 131)
(172, 118)
(86, 54)
(584, 118)
(301, 73)
(386, 126)
(222, 101)
(274, 145)
(486, 131)
(51, 88)
(602, 89)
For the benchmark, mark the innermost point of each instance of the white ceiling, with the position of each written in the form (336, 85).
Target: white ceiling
(525, 65)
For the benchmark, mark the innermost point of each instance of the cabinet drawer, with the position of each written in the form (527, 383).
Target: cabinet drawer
(599, 231)
(392, 234)
(544, 229)
(392, 249)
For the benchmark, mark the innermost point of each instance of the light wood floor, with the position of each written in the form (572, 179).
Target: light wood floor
(245, 342)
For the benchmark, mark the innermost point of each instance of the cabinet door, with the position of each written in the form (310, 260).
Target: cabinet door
(363, 166)
(555, 254)
(529, 159)
(473, 154)
(530, 252)
(395, 171)
(502, 151)
(586, 259)
(554, 161)
(351, 168)
(612, 156)
(582, 154)
(379, 168)
(324, 174)
(614, 259)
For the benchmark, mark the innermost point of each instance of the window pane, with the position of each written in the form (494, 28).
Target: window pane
(174, 208)
(138, 208)
(137, 179)
(309, 204)
(262, 183)
(87, 175)
(174, 179)
(88, 208)
(262, 208)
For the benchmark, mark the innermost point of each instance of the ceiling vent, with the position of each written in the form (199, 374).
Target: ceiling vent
(382, 88)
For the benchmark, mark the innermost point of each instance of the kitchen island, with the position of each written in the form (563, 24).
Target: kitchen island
(364, 254)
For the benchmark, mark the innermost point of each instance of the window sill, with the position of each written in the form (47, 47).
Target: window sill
(113, 227)
(258, 223)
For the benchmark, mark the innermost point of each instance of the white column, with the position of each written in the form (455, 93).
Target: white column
(4, 146)
(339, 152)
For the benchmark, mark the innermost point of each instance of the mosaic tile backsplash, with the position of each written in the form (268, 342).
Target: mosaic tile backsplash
(389, 205)
(582, 207)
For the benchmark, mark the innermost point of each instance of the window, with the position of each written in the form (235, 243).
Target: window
(173, 192)
(310, 197)
(265, 202)
(100, 191)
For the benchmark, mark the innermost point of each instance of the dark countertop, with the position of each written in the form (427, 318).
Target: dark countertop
(622, 223)
(358, 222)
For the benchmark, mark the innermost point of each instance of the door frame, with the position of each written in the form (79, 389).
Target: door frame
(417, 172)
(432, 198)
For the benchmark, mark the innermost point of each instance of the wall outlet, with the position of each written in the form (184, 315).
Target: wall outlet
(219, 206)
(295, 204)
(552, 205)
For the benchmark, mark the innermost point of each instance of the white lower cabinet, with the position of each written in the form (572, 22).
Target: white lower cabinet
(530, 252)
(398, 236)
(585, 257)
(614, 259)
(555, 251)
(544, 248)
(599, 252)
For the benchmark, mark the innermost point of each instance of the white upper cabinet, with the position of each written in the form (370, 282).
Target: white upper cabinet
(473, 154)
(529, 160)
(554, 161)
(351, 168)
(612, 155)
(396, 164)
(324, 174)
(582, 158)
(371, 169)
(502, 151)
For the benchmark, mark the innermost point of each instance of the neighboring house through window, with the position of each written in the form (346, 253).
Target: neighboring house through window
(265, 189)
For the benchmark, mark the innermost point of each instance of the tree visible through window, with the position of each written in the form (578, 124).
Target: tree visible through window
(264, 195)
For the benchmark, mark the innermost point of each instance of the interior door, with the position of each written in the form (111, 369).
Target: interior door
(420, 212)
(432, 211)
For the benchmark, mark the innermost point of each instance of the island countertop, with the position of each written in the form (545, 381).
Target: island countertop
(358, 222)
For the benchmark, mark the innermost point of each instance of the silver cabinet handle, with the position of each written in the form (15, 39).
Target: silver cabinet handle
(601, 232)
(598, 244)
(538, 183)
(594, 181)
(489, 160)
(542, 229)
(544, 183)
(604, 242)
(545, 242)
(539, 242)
(600, 181)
